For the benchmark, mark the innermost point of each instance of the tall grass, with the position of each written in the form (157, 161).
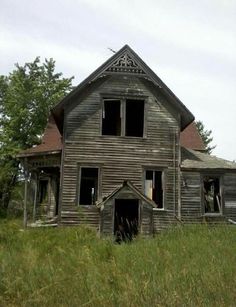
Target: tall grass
(187, 266)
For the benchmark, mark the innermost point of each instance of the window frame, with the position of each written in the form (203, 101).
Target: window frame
(164, 176)
(221, 193)
(122, 99)
(110, 101)
(99, 185)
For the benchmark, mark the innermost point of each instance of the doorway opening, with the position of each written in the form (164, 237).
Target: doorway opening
(126, 219)
(43, 191)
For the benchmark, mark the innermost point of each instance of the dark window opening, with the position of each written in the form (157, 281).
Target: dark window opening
(88, 186)
(126, 219)
(134, 118)
(211, 191)
(111, 117)
(43, 191)
(154, 186)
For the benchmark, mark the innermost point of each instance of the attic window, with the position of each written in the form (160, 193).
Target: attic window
(154, 186)
(134, 120)
(88, 186)
(111, 117)
(211, 192)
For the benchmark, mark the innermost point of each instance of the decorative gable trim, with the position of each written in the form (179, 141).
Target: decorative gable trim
(125, 64)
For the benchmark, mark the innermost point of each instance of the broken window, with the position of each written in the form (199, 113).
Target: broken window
(211, 191)
(123, 117)
(154, 186)
(111, 117)
(134, 117)
(88, 186)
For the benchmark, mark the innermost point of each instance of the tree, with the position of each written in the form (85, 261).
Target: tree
(206, 136)
(26, 97)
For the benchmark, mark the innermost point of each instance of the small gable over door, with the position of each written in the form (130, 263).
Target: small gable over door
(126, 213)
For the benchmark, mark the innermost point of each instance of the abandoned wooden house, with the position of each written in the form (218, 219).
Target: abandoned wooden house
(122, 153)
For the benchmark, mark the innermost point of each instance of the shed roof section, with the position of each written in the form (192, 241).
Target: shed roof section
(51, 141)
(192, 159)
(126, 62)
(190, 138)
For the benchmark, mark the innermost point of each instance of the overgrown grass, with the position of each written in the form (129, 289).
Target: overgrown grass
(187, 266)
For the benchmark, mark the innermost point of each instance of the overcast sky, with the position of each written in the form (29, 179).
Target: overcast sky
(191, 45)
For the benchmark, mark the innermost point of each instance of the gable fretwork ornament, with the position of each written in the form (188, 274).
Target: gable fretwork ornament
(125, 64)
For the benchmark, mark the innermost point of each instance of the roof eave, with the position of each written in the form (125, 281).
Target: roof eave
(42, 153)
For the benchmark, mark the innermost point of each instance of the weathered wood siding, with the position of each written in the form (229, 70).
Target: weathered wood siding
(163, 219)
(107, 219)
(230, 195)
(52, 191)
(191, 198)
(120, 158)
(191, 208)
(146, 217)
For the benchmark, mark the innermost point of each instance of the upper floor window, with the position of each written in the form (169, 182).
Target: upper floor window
(111, 117)
(124, 117)
(134, 119)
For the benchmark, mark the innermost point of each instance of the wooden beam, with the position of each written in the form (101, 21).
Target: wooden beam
(35, 197)
(26, 193)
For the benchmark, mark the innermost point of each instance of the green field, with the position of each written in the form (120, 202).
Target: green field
(186, 266)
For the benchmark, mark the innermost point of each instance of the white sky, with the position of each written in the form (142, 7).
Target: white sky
(191, 45)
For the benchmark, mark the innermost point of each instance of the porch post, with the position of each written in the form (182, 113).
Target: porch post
(26, 193)
(35, 196)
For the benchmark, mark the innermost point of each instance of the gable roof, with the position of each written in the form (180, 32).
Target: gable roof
(126, 61)
(190, 138)
(51, 141)
(192, 159)
(133, 189)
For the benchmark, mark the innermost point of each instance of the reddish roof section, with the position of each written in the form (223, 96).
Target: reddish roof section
(51, 140)
(190, 138)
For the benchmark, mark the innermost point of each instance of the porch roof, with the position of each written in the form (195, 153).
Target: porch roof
(51, 141)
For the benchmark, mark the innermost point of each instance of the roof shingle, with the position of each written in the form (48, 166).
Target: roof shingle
(51, 140)
(192, 159)
(190, 138)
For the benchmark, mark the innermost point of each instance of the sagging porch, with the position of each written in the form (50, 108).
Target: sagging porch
(42, 188)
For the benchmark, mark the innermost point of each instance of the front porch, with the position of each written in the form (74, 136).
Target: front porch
(42, 188)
